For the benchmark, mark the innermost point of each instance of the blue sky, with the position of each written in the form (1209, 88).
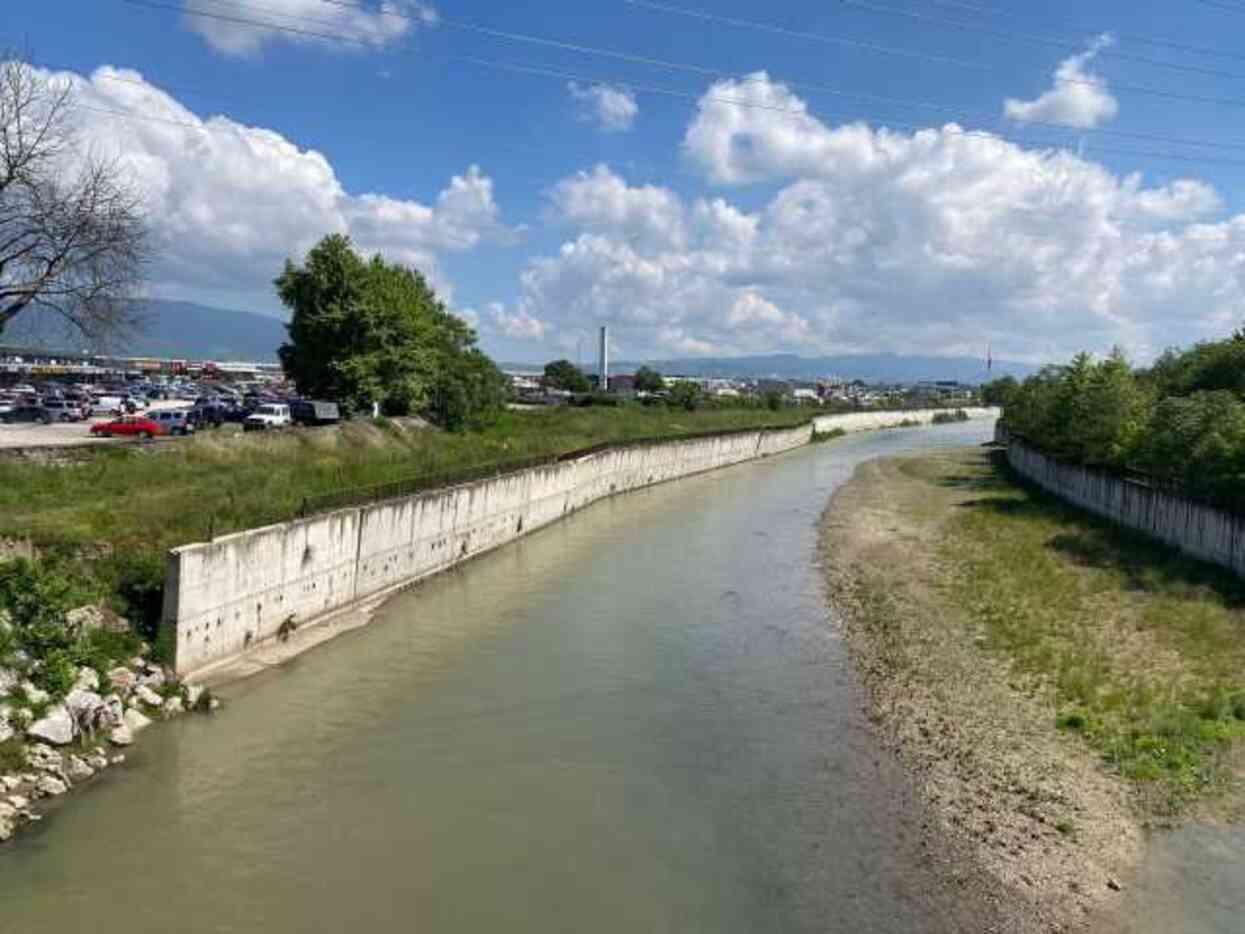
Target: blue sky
(710, 218)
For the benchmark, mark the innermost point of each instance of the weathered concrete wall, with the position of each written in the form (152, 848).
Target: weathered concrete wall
(1193, 528)
(226, 596)
(868, 421)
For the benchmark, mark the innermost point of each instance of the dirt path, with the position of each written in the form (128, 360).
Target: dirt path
(1030, 823)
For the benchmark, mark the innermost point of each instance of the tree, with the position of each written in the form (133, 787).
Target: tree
(686, 394)
(73, 237)
(999, 391)
(647, 379)
(365, 331)
(562, 374)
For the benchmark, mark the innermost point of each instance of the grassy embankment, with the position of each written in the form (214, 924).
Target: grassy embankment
(113, 514)
(1053, 682)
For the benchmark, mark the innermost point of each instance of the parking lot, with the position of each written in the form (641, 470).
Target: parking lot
(65, 434)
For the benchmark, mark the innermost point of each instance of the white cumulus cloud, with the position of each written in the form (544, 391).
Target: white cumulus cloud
(229, 202)
(1078, 97)
(875, 240)
(612, 109)
(232, 30)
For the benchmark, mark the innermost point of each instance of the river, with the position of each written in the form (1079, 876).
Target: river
(639, 719)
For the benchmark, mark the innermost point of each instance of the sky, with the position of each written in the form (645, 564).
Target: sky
(716, 178)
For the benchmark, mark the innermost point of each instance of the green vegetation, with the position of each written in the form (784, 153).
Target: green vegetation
(34, 601)
(562, 374)
(946, 418)
(688, 396)
(648, 380)
(367, 331)
(1182, 421)
(1138, 649)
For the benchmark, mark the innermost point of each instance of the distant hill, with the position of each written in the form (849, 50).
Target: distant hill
(877, 368)
(171, 329)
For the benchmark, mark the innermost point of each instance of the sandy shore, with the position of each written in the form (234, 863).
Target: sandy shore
(1035, 828)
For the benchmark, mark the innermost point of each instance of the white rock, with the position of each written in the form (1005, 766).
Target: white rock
(78, 770)
(43, 758)
(136, 661)
(9, 782)
(9, 679)
(82, 706)
(148, 696)
(112, 712)
(6, 731)
(34, 695)
(97, 760)
(118, 759)
(194, 692)
(173, 706)
(50, 786)
(122, 679)
(88, 680)
(121, 735)
(136, 720)
(19, 802)
(154, 678)
(7, 822)
(57, 727)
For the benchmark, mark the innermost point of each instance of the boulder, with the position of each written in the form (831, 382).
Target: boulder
(57, 727)
(88, 680)
(97, 760)
(173, 706)
(9, 679)
(35, 696)
(85, 618)
(194, 694)
(122, 679)
(121, 735)
(136, 720)
(85, 707)
(9, 782)
(6, 731)
(50, 786)
(78, 770)
(149, 697)
(113, 712)
(118, 759)
(154, 678)
(8, 821)
(19, 802)
(44, 758)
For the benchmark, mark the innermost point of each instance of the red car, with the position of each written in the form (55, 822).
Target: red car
(134, 425)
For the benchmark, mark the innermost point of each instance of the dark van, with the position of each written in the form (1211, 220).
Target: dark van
(310, 412)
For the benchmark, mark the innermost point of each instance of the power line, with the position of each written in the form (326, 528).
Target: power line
(1038, 38)
(716, 73)
(836, 40)
(806, 86)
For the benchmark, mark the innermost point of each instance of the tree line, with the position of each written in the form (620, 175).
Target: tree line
(1180, 420)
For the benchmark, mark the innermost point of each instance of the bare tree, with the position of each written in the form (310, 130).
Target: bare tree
(73, 236)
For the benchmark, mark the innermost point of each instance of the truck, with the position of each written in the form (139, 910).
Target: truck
(269, 415)
(314, 412)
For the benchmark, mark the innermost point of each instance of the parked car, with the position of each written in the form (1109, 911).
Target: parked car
(107, 405)
(63, 410)
(29, 413)
(174, 421)
(270, 415)
(311, 412)
(127, 426)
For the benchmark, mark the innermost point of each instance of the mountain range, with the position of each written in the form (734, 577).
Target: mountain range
(202, 332)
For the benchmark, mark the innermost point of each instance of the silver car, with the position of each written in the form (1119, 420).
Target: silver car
(174, 421)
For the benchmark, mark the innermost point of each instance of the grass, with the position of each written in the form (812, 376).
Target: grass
(1140, 650)
(150, 500)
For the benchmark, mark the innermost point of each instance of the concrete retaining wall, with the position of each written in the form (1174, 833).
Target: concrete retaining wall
(1195, 529)
(229, 595)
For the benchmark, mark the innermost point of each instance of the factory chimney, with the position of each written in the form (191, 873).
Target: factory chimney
(603, 362)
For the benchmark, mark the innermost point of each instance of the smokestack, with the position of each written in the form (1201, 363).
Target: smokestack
(603, 362)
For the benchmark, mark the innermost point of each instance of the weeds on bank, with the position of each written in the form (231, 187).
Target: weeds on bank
(1139, 649)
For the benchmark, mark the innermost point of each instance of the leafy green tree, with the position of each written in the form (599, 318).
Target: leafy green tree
(687, 395)
(647, 379)
(367, 331)
(999, 391)
(562, 374)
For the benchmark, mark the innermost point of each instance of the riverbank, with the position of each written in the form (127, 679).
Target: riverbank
(1037, 671)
